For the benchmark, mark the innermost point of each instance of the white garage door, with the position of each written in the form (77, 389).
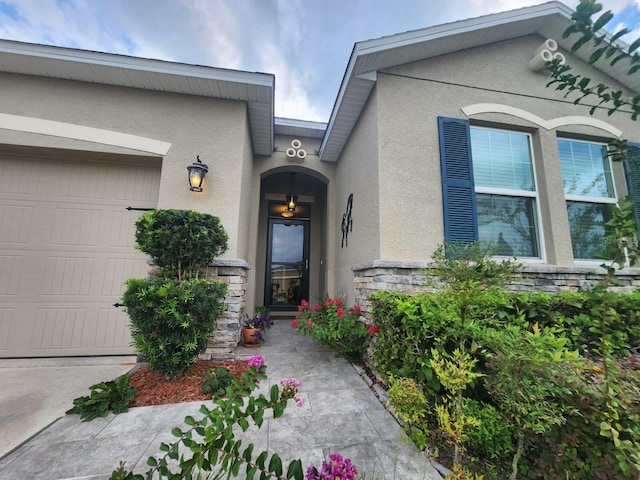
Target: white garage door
(66, 248)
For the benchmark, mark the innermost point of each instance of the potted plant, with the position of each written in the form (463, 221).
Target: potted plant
(253, 327)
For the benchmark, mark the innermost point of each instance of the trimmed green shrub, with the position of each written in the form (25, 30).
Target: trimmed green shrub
(181, 242)
(171, 320)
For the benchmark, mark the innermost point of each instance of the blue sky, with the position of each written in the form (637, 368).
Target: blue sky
(305, 43)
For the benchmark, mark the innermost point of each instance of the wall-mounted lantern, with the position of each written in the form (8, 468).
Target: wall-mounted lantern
(292, 198)
(197, 172)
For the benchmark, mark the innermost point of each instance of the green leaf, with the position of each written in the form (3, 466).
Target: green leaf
(295, 470)
(189, 420)
(275, 465)
(595, 56)
(602, 20)
(176, 432)
(261, 460)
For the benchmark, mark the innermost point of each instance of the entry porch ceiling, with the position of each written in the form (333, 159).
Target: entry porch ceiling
(256, 89)
(548, 20)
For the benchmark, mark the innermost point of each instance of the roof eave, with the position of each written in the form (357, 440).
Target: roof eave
(357, 85)
(257, 89)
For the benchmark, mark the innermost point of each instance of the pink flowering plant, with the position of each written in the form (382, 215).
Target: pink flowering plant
(330, 322)
(208, 448)
(336, 468)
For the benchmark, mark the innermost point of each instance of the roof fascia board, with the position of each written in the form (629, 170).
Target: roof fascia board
(135, 63)
(462, 27)
(290, 122)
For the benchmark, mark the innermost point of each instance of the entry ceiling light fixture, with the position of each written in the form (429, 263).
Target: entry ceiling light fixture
(197, 172)
(292, 198)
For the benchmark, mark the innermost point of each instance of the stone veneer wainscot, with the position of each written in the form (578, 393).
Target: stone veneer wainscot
(408, 277)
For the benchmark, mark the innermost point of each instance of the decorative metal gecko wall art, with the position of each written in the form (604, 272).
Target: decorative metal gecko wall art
(347, 222)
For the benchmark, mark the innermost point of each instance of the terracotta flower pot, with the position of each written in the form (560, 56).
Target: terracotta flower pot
(250, 340)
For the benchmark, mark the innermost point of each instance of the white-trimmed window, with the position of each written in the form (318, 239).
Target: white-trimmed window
(589, 193)
(506, 194)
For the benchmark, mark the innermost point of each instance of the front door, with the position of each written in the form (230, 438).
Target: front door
(287, 282)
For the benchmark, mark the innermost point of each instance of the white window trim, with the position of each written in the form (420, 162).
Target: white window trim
(520, 193)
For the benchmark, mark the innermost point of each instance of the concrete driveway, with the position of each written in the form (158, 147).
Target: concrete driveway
(36, 391)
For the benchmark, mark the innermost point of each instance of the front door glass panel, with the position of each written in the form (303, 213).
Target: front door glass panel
(287, 280)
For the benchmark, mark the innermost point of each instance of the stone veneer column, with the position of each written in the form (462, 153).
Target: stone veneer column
(227, 334)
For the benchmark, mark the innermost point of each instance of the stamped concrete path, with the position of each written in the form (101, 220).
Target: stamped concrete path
(340, 415)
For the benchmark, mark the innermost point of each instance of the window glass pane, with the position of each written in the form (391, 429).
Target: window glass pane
(501, 159)
(508, 223)
(585, 169)
(587, 224)
(287, 243)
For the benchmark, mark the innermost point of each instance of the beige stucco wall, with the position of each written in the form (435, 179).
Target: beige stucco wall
(409, 100)
(214, 129)
(357, 172)
(313, 182)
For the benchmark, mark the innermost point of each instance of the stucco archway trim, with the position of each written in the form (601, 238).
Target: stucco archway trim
(80, 132)
(479, 108)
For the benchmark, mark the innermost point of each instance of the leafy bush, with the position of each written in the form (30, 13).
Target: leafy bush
(580, 448)
(218, 383)
(181, 242)
(105, 396)
(171, 321)
(531, 348)
(411, 407)
(330, 323)
(412, 325)
(494, 438)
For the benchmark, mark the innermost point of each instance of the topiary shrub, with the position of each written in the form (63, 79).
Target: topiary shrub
(181, 242)
(172, 320)
(174, 314)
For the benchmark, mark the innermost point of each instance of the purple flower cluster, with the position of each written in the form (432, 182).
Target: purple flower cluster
(289, 390)
(256, 361)
(336, 468)
(290, 382)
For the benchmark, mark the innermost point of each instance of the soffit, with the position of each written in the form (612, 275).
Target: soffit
(257, 89)
(299, 128)
(548, 20)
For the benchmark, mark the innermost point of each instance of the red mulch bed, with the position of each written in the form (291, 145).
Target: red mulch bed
(153, 389)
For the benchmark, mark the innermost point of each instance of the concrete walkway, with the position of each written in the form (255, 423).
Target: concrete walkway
(340, 415)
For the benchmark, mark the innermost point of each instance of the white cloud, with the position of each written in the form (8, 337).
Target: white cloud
(306, 44)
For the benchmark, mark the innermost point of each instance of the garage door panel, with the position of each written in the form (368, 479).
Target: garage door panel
(81, 180)
(75, 226)
(15, 221)
(135, 184)
(10, 274)
(20, 176)
(58, 328)
(112, 329)
(119, 270)
(66, 250)
(67, 276)
(6, 316)
(122, 231)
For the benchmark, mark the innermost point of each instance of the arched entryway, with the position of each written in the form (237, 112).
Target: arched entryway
(291, 249)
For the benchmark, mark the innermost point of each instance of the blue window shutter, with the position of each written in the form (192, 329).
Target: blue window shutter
(632, 171)
(458, 192)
